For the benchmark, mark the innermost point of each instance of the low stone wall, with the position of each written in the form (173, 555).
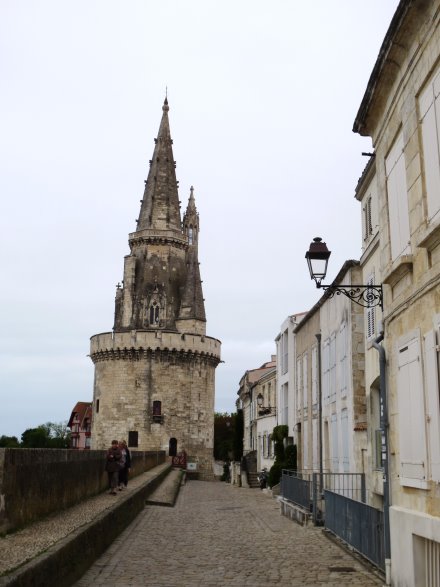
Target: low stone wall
(37, 482)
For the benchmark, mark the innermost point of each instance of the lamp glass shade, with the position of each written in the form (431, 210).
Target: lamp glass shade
(317, 259)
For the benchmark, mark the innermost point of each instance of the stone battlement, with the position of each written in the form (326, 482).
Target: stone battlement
(138, 340)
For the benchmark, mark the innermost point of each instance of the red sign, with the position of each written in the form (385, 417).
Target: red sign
(180, 460)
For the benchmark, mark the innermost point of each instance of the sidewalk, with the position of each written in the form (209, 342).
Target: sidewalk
(72, 539)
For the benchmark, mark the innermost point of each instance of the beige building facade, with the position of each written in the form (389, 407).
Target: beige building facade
(400, 111)
(155, 372)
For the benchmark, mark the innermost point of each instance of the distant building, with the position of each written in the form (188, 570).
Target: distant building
(255, 384)
(155, 372)
(80, 424)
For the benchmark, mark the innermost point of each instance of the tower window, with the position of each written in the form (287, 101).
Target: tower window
(154, 313)
(97, 405)
(133, 438)
(157, 412)
(190, 235)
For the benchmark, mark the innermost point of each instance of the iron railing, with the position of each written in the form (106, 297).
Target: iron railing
(337, 500)
(358, 524)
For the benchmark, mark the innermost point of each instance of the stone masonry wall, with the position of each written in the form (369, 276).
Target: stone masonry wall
(37, 482)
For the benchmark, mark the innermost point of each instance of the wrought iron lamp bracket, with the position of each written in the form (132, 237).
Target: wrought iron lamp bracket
(367, 296)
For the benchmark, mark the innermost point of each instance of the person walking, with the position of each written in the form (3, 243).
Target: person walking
(125, 465)
(112, 467)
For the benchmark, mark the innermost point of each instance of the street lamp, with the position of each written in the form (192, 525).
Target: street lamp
(367, 296)
(262, 409)
(317, 257)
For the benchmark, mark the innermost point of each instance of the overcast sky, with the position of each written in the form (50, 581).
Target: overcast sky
(262, 99)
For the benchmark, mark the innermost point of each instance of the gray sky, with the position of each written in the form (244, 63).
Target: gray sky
(262, 99)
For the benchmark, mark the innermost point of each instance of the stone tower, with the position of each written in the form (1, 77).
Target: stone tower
(155, 373)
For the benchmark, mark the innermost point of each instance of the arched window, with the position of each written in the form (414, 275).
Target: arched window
(190, 235)
(154, 313)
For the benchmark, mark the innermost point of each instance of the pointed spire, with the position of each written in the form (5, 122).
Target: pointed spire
(192, 305)
(191, 220)
(160, 204)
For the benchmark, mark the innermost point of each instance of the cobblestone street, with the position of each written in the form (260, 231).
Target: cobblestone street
(218, 534)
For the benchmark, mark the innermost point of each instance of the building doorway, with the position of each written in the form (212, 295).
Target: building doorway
(172, 450)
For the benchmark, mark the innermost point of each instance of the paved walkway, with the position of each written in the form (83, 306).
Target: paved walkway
(218, 534)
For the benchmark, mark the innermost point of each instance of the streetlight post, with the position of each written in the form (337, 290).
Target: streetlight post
(367, 296)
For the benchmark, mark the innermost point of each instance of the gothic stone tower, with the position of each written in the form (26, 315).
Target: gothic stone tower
(155, 373)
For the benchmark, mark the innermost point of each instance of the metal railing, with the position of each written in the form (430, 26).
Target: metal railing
(358, 524)
(306, 488)
(338, 501)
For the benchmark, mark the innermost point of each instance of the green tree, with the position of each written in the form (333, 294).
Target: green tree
(9, 442)
(222, 436)
(278, 435)
(237, 432)
(49, 435)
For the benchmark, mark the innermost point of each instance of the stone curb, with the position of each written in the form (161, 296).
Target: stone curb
(66, 561)
(168, 491)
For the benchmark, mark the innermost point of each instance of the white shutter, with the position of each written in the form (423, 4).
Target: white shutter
(429, 105)
(397, 200)
(326, 371)
(305, 381)
(333, 367)
(343, 359)
(315, 457)
(298, 383)
(433, 407)
(344, 437)
(314, 375)
(412, 434)
(305, 436)
(335, 444)
(371, 314)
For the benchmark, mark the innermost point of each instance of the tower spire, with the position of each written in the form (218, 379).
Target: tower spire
(160, 203)
(192, 305)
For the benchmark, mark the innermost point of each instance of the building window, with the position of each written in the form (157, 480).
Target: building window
(97, 405)
(133, 438)
(314, 375)
(157, 412)
(429, 106)
(371, 314)
(368, 224)
(343, 359)
(190, 235)
(154, 313)
(332, 374)
(412, 420)
(397, 200)
(432, 378)
(284, 352)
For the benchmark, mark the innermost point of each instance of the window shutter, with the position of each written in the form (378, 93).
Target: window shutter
(298, 383)
(412, 434)
(433, 407)
(429, 104)
(314, 375)
(371, 314)
(305, 381)
(397, 200)
(344, 434)
(335, 446)
(305, 437)
(333, 367)
(315, 449)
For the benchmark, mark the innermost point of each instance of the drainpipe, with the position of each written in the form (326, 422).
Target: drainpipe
(318, 338)
(384, 424)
